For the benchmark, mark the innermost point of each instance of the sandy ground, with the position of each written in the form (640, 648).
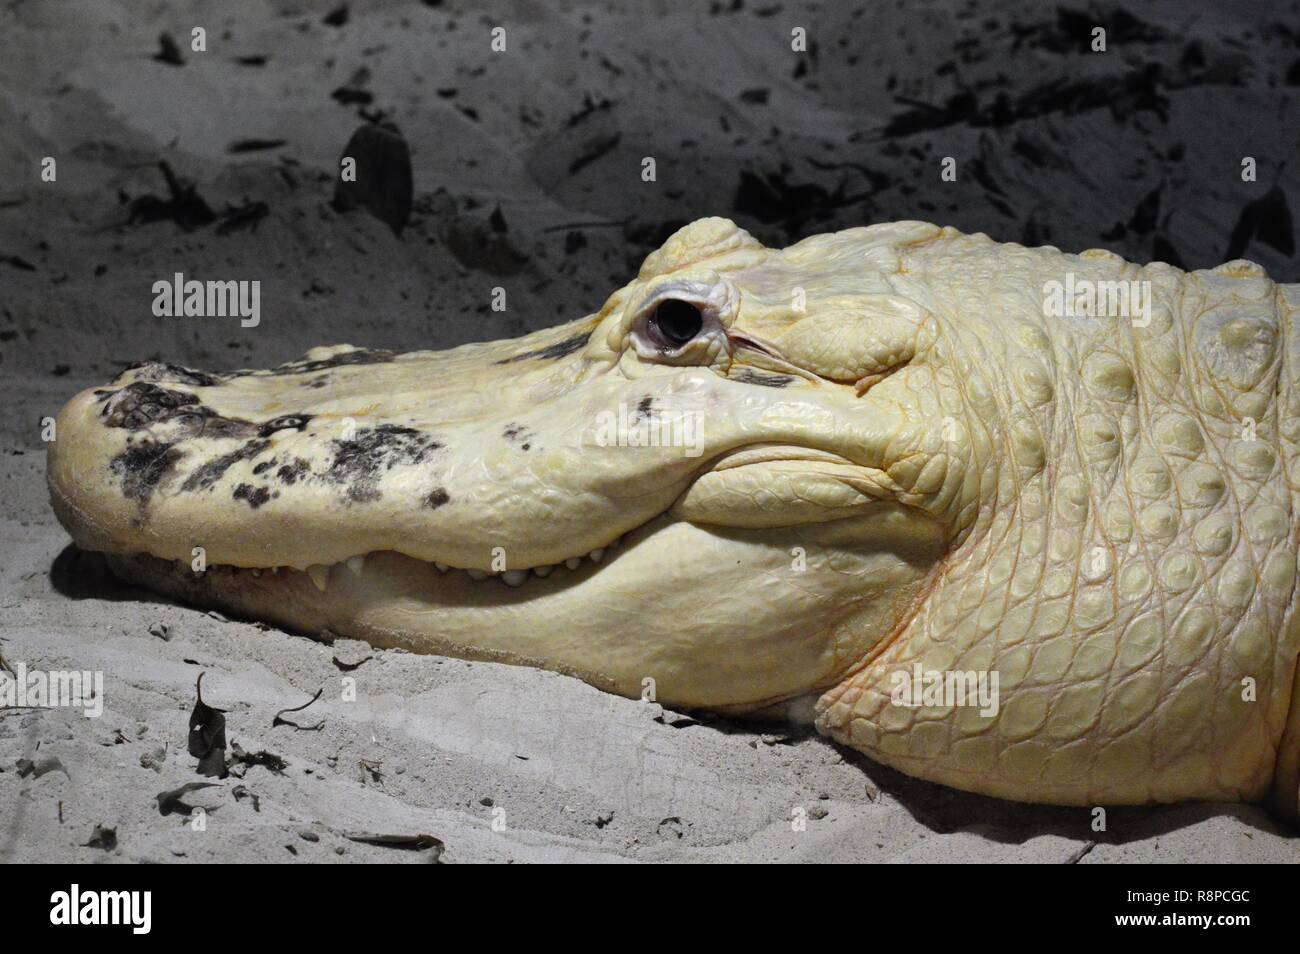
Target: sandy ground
(503, 763)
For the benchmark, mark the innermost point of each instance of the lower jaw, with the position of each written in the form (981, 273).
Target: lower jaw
(710, 618)
(359, 597)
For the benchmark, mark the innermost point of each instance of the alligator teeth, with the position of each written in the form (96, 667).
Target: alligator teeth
(519, 577)
(320, 575)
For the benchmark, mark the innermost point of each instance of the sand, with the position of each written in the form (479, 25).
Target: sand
(503, 763)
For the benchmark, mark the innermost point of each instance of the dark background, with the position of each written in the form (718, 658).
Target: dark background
(526, 164)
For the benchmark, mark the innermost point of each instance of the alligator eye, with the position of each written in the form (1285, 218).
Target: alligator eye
(676, 322)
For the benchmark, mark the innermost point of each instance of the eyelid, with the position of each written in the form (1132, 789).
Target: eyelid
(717, 299)
(711, 330)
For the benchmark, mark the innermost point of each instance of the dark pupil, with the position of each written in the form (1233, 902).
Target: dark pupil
(678, 321)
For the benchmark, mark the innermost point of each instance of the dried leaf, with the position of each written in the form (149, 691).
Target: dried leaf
(207, 741)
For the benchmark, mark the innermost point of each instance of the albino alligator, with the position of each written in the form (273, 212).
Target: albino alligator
(884, 451)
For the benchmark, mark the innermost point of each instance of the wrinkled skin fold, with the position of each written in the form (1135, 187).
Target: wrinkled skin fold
(759, 478)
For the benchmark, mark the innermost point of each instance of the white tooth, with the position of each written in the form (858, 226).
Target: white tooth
(256, 571)
(544, 571)
(320, 575)
(573, 562)
(477, 574)
(597, 553)
(357, 563)
(514, 577)
(442, 567)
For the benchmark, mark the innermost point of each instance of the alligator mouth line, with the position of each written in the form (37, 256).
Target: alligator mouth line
(320, 573)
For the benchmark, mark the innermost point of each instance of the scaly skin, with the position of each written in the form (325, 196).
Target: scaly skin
(905, 460)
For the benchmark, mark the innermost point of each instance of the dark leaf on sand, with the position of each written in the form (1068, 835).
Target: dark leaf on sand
(169, 802)
(309, 728)
(18, 262)
(384, 184)
(406, 842)
(337, 17)
(1275, 225)
(102, 838)
(354, 90)
(263, 758)
(594, 149)
(185, 207)
(1269, 219)
(168, 51)
(348, 95)
(207, 741)
(241, 792)
(254, 145)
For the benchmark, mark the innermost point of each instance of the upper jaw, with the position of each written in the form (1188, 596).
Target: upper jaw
(448, 457)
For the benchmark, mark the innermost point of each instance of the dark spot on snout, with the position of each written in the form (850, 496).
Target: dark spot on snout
(746, 376)
(140, 405)
(204, 423)
(644, 408)
(254, 496)
(560, 349)
(517, 434)
(359, 356)
(436, 498)
(289, 474)
(205, 475)
(295, 422)
(156, 372)
(360, 462)
(141, 467)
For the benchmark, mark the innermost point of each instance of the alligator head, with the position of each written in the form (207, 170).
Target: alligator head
(759, 476)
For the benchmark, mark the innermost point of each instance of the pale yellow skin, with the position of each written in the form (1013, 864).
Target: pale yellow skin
(930, 470)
